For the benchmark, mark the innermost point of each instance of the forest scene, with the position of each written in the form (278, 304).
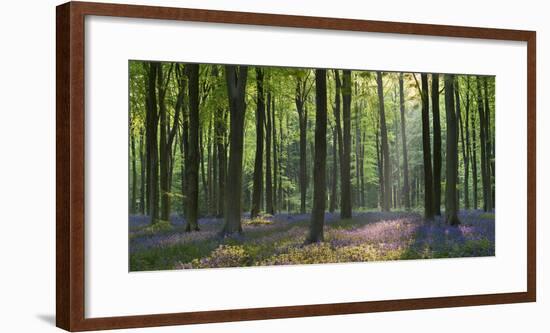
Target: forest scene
(242, 165)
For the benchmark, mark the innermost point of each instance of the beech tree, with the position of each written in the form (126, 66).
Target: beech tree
(451, 163)
(236, 77)
(319, 169)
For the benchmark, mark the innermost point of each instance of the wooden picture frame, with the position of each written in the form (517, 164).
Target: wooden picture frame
(70, 194)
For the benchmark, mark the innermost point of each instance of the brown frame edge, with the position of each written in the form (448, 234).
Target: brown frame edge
(70, 165)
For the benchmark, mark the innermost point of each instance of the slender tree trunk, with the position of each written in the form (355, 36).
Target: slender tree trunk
(258, 161)
(345, 203)
(142, 186)
(221, 124)
(474, 159)
(302, 119)
(437, 144)
(236, 77)
(406, 196)
(488, 149)
(334, 178)
(268, 174)
(133, 198)
(359, 152)
(192, 166)
(386, 204)
(461, 134)
(397, 175)
(319, 170)
(380, 165)
(275, 156)
(339, 136)
(280, 162)
(202, 165)
(152, 143)
(209, 171)
(451, 164)
(483, 145)
(428, 184)
(164, 154)
(467, 152)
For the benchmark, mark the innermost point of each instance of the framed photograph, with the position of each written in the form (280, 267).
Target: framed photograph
(223, 166)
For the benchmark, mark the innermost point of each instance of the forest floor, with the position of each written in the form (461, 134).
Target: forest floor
(279, 240)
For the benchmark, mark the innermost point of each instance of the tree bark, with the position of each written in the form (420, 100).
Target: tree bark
(275, 157)
(386, 204)
(474, 159)
(338, 126)
(483, 146)
(334, 178)
(489, 164)
(406, 196)
(192, 165)
(466, 153)
(142, 167)
(319, 170)
(152, 141)
(451, 164)
(268, 172)
(428, 177)
(300, 98)
(437, 144)
(221, 130)
(345, 184)
(236, 77)
(133, 197)
(258, 161)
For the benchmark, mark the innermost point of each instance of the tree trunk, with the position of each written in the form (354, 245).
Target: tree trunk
(386, 203)
(428, 185)
(334, 178)
(192, 165)
(258, 161)
(406, 196)
(133, 197)
(221, 130)
(474, 159)
(488, 150)
(302, 120)
(275, 157)
(152, 143)
(142, 162)
(319, 170)
(451, 164)
(345, 184)
(380, 165)
(338, 126)
(437, 144)
(467, 152)
(268, 174)
(236, 77)
(483, 145)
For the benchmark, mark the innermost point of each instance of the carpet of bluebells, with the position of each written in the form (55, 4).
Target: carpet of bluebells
(279, 240)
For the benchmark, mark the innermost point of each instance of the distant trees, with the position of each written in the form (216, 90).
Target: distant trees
(194, 150)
